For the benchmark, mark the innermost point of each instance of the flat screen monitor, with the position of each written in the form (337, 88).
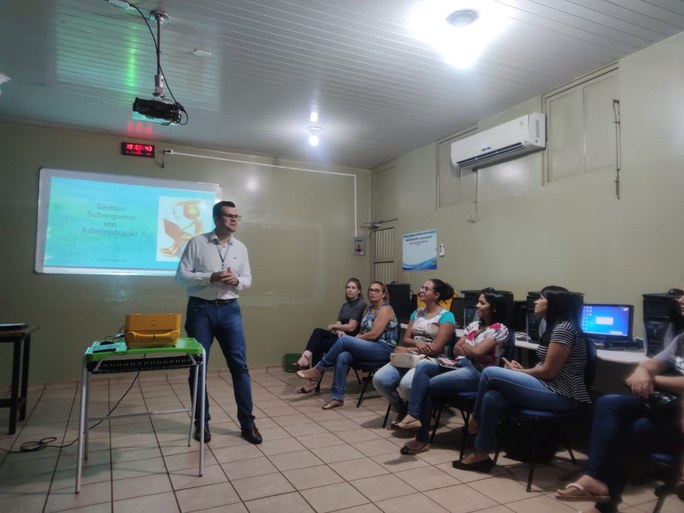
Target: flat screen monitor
(607, 323)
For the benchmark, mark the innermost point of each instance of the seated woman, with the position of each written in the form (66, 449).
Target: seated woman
(482, 345)
(321, 340)
(625, 430)
(374, 343)
(556, 383)
(429, 330)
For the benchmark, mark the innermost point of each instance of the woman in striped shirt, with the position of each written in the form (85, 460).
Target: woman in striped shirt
(556, 383)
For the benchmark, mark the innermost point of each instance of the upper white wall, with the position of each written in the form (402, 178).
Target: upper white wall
(575, 232)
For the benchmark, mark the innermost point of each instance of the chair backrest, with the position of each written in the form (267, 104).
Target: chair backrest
(449, 347)
(509, 354)
(590, 371)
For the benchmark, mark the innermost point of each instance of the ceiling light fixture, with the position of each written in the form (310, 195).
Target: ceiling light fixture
(315, 132)
(462, 17)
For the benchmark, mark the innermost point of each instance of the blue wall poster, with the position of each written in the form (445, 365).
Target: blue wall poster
(419, 251)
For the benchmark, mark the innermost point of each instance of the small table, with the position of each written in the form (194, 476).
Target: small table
(20, 369)
(187, 353)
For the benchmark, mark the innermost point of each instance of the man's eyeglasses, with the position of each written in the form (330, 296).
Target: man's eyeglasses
(232, 216)
(374, 291)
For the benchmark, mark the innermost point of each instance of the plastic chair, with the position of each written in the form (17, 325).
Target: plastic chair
(541, 420)
(671, 464)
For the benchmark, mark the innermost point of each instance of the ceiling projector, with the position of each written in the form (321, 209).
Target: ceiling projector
(157, 111)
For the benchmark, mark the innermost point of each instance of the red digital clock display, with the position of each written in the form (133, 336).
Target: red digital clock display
(137, 149)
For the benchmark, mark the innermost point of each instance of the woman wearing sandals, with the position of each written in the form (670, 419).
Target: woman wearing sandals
(556, 383)
(429, 330)
(626, 430)
(321, 340)
(482, 346)
(374, 343)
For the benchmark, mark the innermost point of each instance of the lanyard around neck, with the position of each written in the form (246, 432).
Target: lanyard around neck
(222, 256)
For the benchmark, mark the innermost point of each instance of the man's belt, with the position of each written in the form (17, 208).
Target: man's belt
(194, 299)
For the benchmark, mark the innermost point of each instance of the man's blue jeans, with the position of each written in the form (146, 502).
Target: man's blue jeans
(622, 436)
(347, 351)
(204, 321)
(430, 381)
(502, 389)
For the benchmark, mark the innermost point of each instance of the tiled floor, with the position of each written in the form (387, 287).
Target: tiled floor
(311, 460)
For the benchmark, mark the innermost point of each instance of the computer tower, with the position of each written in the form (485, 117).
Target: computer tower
(400, 298)
(520, 315)
(662, 320)
(470, 299)
(457, 307)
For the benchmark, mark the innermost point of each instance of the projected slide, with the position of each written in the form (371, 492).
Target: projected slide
(91, 223)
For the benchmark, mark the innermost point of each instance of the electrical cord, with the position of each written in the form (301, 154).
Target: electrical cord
(39, 445)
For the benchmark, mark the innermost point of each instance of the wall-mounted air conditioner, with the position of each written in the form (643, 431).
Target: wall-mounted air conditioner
(509, 140)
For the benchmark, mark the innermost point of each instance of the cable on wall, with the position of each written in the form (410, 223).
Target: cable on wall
(618, 146)
(474, 217)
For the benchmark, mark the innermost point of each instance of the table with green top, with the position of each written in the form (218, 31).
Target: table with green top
(109, 357)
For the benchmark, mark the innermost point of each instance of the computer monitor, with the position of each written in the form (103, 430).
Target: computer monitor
(608, 323)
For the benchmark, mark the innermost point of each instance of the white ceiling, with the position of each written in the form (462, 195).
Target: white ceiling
(380, 91)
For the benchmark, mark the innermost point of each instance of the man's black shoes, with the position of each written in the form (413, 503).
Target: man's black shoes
(252, 435)
(207, 434)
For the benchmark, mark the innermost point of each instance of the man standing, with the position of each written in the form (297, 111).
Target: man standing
(214, 267)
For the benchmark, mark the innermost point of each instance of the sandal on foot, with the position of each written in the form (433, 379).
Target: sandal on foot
(305, 390)
(408, 425)
(311, 374)
(333, 404)
(575, 492)
(415, 450)
(296, 365)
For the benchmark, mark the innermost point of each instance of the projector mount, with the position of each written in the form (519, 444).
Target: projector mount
(158, 110)
(160, 18)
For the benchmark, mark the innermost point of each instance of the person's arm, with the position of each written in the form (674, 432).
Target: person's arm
(186, 274)
(674, 384)
(476, 352)
(642, 380)
(444, 335)
(555, 359)
(350, 325)
(244, 271)
(383, 318)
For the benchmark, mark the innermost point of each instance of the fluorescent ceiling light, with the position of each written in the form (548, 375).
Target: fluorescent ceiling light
(459, 29)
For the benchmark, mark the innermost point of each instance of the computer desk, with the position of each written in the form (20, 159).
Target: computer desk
(606, 355)
(187, 353)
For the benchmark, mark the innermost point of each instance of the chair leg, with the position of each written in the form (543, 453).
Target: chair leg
(465, 434)
(438, 408)
(387, 414)
(532, 464)
(366, 379)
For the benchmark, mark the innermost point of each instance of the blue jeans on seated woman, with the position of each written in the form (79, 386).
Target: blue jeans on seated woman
(622, 436)
(501, 390)
(394, 384)
(430, 381)
(347, 351)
